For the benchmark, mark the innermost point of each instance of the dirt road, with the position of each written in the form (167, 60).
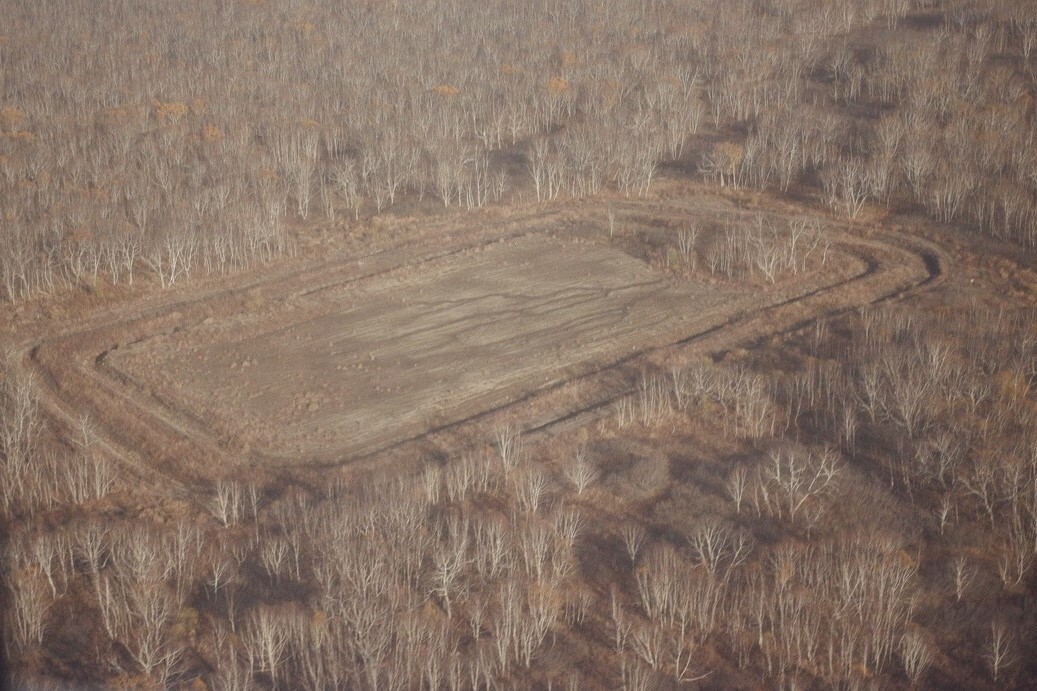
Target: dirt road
(329, 360)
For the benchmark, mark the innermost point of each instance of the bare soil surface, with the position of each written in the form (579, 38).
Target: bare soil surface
(532, 314)
(353, 367)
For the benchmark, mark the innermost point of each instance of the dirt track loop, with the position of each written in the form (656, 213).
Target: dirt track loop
(331, 360)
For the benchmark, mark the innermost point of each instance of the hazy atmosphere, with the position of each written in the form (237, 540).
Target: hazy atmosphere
(568, 344)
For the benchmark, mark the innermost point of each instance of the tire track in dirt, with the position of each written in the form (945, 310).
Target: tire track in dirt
(884, 253)
(58, 391)
(74, 377)
(65, 373)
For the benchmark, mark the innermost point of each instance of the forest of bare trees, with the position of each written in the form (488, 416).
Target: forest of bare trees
(795, 565)
(172, 139)
(853, 504)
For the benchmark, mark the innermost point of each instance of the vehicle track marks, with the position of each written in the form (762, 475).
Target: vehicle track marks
(152, 436)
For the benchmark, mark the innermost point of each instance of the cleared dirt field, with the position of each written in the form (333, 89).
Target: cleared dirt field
(354, 367)
(432, 334)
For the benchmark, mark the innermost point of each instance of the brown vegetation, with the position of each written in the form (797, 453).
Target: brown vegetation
(582, 344)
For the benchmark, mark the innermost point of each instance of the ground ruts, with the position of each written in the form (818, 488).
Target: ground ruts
(162, 445)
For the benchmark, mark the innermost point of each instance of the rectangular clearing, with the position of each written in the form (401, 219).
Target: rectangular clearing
(359, 365)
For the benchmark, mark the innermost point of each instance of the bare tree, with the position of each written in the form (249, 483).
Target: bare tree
(227, 503)
(964, 573)
(647, 641)
(653, 399)
(530, 490)
(221, 571)
(916, 654)
(493, 549)
(29, 604)
(266, 634)
(539, 156)
(20, 428)
(536, 547)
(1017, 554)
(567, 524)
(151, 641)
(633, 539)
(737, 486)
(509, 446)
(847, 187)
(88, 476)
(720, 547)
(581, 472)
(273, 553)
(459, 480)
(232, 673)
(686, 240)
(621, 624)
(999, 652)
(793, 482)
(52, 554)
(449, 564)
(432, 482)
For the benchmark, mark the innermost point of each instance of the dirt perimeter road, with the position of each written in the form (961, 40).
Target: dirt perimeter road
(327, 361)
